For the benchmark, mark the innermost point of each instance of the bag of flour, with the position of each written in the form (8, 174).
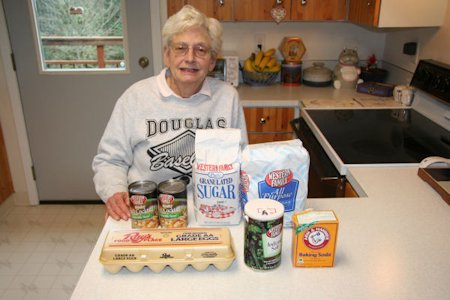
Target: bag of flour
(216, 176)
(277, 171)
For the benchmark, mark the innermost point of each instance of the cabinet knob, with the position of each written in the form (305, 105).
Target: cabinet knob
(221, 3)
(304, 2)
(369, 3)
(262, 121)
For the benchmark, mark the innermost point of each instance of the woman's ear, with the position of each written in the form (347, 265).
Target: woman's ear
(166, 56)
(212, 64)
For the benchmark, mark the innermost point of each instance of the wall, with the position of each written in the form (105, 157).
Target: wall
(323, 40)
(433, 43)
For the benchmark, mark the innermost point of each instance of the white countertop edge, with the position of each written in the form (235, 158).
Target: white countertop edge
(271, 103)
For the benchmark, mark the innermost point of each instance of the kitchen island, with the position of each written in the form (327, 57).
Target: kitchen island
(392, 244)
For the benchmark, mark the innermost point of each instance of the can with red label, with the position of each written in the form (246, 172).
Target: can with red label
(143, 204)
(172, 203)
(263, 234)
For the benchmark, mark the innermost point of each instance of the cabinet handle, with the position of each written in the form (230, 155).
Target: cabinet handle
(279, 2)
(304, 2)
(262, 121)
(221, 3)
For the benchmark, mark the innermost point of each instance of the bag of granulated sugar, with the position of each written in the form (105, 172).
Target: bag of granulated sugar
(277, 171)
(216, 176)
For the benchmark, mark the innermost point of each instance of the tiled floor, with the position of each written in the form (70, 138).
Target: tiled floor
(43, 249)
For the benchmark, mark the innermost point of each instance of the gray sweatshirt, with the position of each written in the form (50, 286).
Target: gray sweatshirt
(151, 132)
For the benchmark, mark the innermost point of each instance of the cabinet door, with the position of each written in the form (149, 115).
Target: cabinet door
(365, 12)
(318, 10)
(268, 124)
(6, 185)
(259, 10)
(219, 9)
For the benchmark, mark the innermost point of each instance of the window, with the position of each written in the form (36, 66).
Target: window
(80, 35)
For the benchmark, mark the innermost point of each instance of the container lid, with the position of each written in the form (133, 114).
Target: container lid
(318, 72)
(264, 209)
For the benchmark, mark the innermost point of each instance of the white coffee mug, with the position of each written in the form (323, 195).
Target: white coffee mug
(404, 94)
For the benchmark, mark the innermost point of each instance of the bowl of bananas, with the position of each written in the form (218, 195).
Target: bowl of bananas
(261, 69)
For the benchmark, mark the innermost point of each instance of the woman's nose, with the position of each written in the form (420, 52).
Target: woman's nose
(190, 55)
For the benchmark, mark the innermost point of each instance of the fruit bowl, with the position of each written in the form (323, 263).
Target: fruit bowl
(259, 78)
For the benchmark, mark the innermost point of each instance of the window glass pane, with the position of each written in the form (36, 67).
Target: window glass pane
(80, 35)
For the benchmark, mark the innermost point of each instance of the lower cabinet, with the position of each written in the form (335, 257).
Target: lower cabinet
(269, 124)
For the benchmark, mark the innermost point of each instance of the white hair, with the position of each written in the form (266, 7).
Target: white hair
(189, 17)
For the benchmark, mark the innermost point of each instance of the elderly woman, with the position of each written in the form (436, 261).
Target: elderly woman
(151, 132)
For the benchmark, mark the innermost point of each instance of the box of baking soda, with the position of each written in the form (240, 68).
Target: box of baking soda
(314, 238)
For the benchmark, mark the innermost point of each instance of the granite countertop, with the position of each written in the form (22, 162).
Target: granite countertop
(278, 95)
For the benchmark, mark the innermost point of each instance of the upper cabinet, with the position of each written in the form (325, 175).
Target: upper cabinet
(397, 13)
(265, 10)
(318, 10)
(219, 9)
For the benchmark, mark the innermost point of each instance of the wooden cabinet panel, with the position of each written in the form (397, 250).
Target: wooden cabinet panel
(256, 138)
(318, 10)
(221, 10)
(365, 12)
(258, 10)
(268, 119)
(6, 185)
(397, 13)
(268, 124)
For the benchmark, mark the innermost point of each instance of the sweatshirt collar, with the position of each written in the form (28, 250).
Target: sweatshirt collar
(166, 91)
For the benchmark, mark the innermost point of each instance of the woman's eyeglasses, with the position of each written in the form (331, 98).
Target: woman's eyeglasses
(182, 48)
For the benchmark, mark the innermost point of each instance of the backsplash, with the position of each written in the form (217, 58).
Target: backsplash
(323, 40)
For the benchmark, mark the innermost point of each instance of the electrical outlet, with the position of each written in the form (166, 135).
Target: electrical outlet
(414, 59)
(260, 41)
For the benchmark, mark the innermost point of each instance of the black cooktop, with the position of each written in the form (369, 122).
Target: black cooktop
(381, 136)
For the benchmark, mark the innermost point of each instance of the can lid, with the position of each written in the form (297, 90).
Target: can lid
(264, 209)
(142, 187)
(172, 186)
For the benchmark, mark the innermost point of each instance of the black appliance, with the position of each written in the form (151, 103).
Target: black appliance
(339, 138)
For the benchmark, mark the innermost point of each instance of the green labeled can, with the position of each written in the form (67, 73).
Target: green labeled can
(143, 204)
(263, 234)
(172, 203)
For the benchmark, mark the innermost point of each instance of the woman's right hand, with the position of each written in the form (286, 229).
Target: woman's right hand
(118, 206)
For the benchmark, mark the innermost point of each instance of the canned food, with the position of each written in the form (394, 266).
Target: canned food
(172, 203)
(263, 234)
(143, 204)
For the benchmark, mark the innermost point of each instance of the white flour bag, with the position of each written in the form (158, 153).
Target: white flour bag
(277, 171)
(216, 176)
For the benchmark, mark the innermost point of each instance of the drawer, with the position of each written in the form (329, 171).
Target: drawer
(268, 119)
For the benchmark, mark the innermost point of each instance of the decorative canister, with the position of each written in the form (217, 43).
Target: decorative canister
(291, 74)
(263, 234)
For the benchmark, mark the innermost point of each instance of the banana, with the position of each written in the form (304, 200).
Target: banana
(248, 65)
(270, 52)
(275, 68)
(264, 62)
(272, 62)
(259, 57)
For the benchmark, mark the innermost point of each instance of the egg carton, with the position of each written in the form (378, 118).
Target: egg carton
(158, 248)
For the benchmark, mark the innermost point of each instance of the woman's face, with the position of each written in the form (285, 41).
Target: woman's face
(189, 59)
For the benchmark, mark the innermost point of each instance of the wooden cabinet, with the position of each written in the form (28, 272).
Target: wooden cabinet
(397, 13)
(269, 124)
(260, 10)
(318, 10)
(6, 184)
(219, 9)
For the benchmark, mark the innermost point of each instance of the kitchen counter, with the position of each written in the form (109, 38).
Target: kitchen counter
(392, 244)
(278, 95)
